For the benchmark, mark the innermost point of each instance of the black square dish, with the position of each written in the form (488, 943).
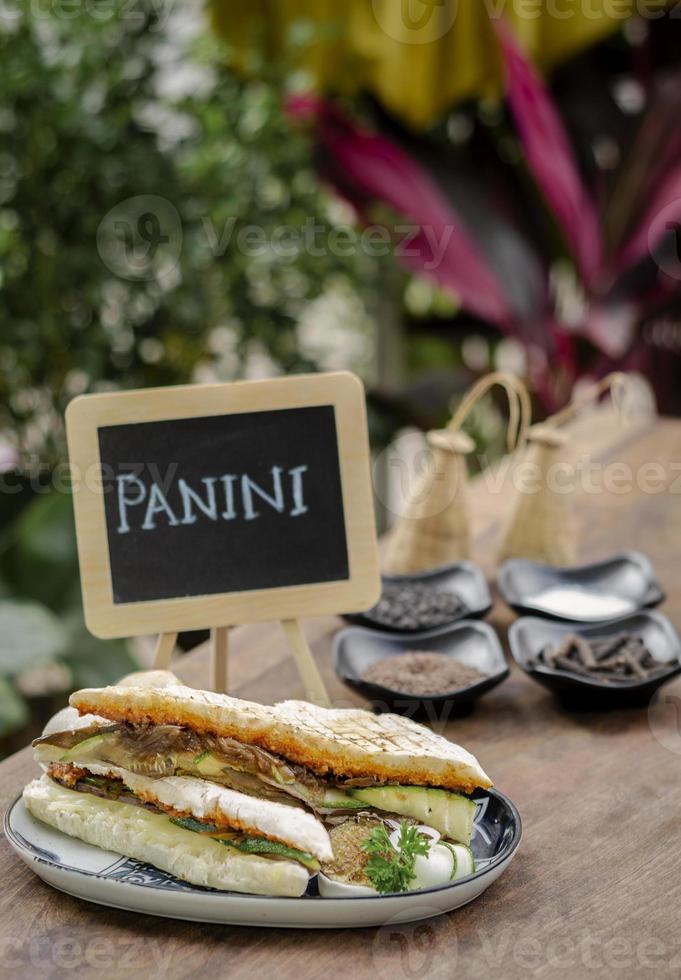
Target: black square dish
(472, 643)
(463, 579)
(529, 636)
(590, 594)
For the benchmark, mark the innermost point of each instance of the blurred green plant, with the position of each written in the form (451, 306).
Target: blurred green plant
(45, 649)
(96, 113)
(101, 108)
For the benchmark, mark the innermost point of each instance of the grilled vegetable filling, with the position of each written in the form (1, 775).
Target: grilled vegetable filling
(249, 845)
(78, 779)
(170, 750)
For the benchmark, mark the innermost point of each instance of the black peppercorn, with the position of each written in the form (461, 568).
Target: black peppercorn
(416, 607)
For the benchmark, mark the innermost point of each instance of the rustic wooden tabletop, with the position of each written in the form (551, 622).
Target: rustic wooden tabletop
(596, 886)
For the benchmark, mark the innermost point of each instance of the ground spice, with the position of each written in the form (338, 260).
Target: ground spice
(419, 672)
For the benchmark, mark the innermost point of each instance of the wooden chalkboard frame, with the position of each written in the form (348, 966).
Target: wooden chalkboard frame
(86, 414)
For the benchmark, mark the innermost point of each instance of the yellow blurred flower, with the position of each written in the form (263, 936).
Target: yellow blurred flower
(418, 57)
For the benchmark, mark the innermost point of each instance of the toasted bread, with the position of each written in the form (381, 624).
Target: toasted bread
(341, 743)
(153, 839)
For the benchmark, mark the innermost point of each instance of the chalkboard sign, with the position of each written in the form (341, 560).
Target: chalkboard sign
(217, 505)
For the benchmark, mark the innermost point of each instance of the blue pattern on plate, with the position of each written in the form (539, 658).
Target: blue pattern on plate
(136, 873)
(39, 852)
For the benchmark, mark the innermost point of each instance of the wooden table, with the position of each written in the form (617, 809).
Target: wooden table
(594, 890)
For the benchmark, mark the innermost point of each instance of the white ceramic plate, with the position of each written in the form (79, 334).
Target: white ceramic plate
(109, 879)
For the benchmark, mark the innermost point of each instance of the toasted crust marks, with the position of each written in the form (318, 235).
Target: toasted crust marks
(340, 742)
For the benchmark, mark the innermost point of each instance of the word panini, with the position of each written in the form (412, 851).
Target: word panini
(221, 498)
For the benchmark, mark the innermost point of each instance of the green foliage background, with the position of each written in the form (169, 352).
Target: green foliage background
(85, 125)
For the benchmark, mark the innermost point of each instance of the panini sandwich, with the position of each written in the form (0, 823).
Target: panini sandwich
(247, 792)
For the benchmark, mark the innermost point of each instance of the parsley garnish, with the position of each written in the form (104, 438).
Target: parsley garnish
(391, 869)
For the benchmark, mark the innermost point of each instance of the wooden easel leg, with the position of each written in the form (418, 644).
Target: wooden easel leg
(307, 668)
(220, 638)
(164, 651)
